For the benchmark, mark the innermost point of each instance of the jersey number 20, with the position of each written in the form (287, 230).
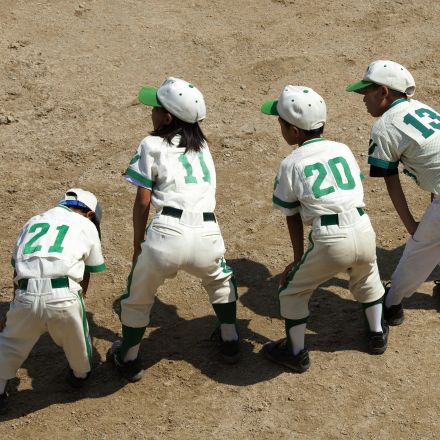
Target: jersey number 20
(345, 184)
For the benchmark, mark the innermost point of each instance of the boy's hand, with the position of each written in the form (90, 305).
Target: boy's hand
(288, 268)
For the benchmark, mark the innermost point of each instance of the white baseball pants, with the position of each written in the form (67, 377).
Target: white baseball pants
(347, 247)
(421, 255)
(174, 244)
(38, 309)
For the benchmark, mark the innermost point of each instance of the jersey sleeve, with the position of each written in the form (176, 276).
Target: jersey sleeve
(94, 262)
(382, 153)
(284, 197)
(141, 170)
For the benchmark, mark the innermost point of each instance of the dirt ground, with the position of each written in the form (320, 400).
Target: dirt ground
(70, 72)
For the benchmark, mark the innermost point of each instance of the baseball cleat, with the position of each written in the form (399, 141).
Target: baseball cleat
(378, 341)
(228, 351)
(278, 352)
(76, 382)
(4, 403)
(393, 315)
(130, 370)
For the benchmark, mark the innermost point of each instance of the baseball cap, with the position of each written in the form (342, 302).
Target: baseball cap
(300, 106)
(77, 197)
(180, 98)
(386, 73)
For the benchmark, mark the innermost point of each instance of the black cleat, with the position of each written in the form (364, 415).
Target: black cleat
(130, 370)
(278, 352)
(76, 382)
(377, 342)
(228, 351)
(393, 315)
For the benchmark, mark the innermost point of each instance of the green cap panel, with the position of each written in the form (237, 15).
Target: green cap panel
(148, 96)
(358, 86)
(270, 108)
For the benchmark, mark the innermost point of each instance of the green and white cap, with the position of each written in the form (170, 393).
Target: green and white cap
(178, 97)
(386, 73)
(300, 106)
(80, 198)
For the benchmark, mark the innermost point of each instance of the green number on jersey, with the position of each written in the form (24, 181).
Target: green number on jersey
(189, 178)
(29, 247)
(419, 126)
(348, 184)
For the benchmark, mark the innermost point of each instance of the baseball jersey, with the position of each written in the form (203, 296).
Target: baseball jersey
(320, 177)
(57, 243)
(408, 132)
(182, 181)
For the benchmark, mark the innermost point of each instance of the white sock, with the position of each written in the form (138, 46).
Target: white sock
(297, 335)
(228, 332)
(79, 375)
(374, 317)
(132, 353)
(3, 383)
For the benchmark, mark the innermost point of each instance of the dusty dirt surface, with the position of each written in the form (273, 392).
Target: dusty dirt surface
(70, 72)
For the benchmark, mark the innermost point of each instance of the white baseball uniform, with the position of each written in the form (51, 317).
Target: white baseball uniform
(322, 181)
(184, 234)
(50, 256)
(409, 132)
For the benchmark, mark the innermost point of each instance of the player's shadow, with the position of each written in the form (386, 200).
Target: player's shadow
(172, 338)
(47, 367)
(335, 323)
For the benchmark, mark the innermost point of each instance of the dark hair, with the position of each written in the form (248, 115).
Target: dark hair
(308, 133)
(191, 135)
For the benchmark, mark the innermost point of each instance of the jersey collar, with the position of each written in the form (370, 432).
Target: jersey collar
(311, 141)
(397, 102)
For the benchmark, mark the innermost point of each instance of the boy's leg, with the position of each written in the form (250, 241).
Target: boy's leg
(419, 258)
(23, 329)
(68, 326)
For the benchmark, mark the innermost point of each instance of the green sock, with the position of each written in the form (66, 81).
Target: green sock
(226, 313)
(131, 336)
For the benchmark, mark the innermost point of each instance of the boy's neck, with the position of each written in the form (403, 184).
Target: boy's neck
(304, 139)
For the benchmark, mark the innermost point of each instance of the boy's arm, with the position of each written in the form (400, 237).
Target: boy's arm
(296, 233)
(141, 209)
(400, 204)
(85, 283)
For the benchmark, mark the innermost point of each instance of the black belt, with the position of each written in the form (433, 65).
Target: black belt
(56, 283)
(177, 213)
(333, 219)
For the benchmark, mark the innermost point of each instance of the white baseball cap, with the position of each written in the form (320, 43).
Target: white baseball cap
(386, 73)
(77, 197)
(180, 98)
(300, 106)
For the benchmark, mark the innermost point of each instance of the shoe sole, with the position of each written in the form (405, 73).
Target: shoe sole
(396, 321)
(283, 363)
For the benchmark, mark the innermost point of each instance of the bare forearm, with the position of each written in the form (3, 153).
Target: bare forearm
(296, 233)
(400, 204)
(85, 283)
(141, 209)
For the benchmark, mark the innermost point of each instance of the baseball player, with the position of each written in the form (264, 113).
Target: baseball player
(407, 131)
(53, 257)
(320, 184)
(174, 171)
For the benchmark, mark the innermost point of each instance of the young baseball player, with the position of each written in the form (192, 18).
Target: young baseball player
(174, 171)
(53, 257)
(407, 131)
(319, 184)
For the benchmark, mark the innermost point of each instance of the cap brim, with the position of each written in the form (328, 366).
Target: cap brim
(357, 86)
(148, 96)
(270, 108)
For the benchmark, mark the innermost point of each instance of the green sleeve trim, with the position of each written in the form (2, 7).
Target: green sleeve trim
(288, 205)
(13, 262)
(380, 163)
(139, 177)
(93, 269)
